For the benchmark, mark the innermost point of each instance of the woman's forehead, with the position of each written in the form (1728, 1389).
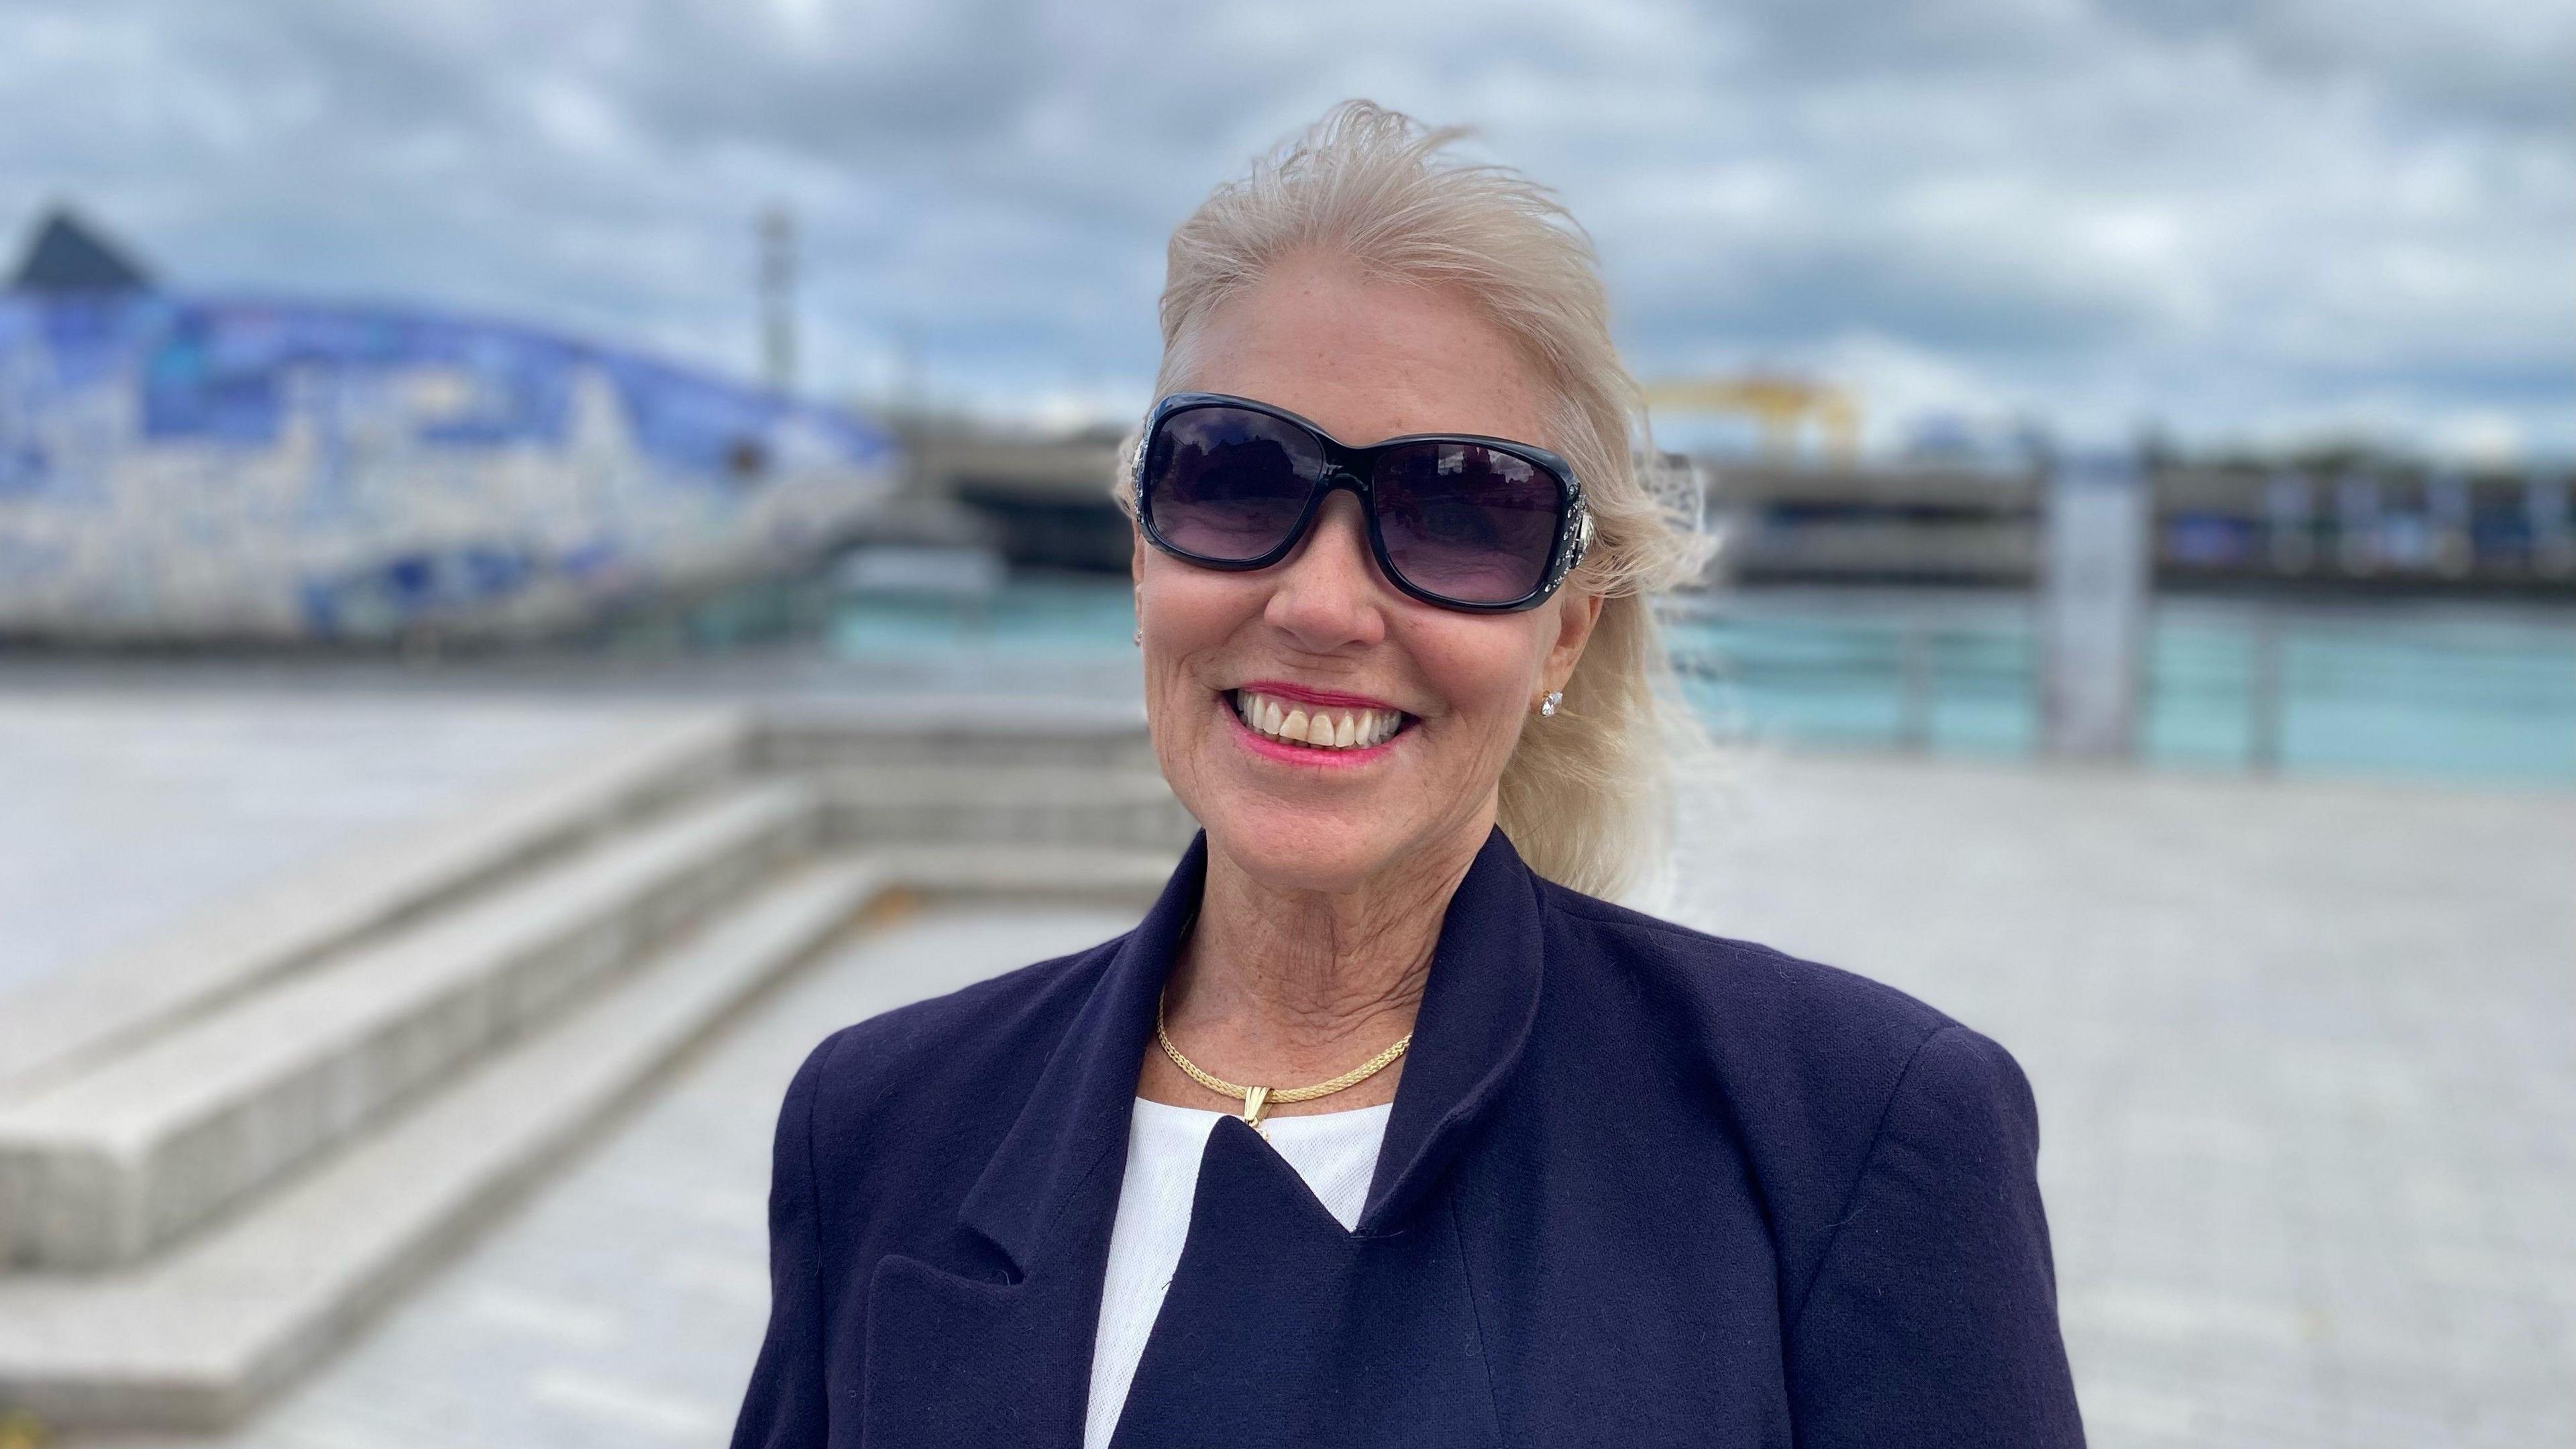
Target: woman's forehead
(1367, 359)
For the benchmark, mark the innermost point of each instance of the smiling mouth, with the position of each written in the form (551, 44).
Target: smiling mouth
(1316, 727)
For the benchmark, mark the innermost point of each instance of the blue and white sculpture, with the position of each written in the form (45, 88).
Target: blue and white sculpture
(181, 468)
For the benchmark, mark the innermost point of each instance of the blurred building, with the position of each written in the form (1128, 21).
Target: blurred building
(2331, 525)
(2340, 523)
(185, 468)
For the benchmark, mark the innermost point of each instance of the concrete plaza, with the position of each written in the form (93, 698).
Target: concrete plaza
(122, 816)
(2303, 1053)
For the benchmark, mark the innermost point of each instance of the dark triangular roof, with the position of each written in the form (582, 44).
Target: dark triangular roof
(67, 256)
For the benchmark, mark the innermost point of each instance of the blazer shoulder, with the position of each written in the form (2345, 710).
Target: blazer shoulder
(1746, 992)
(1813, 1068)
(975, 1033)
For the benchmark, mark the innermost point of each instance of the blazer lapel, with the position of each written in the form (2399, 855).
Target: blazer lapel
(1478, 1008)
(956, 1358)
(1281, 1330)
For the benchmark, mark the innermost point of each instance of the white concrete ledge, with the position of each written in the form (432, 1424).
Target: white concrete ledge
(212, 1183)
(60, 1023)
(1032, 872)
(1008, 733)
(110, 1164)
(190, 1340)
(1005, 805)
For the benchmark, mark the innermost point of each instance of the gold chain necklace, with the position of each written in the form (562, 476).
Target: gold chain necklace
(1257, 1100)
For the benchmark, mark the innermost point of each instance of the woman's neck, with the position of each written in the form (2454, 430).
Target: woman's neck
(1285, 987)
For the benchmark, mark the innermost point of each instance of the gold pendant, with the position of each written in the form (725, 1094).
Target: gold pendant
(1254, 1099)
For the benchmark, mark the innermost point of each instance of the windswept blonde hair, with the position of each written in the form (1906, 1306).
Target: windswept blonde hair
(1583, 794)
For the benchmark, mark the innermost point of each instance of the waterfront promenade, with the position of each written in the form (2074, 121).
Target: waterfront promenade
(2301, 1050)
(124, 816)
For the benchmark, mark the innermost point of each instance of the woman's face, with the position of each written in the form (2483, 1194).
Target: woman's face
(1323, 630)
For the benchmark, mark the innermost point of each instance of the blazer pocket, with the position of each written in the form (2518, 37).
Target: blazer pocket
(953, 1360)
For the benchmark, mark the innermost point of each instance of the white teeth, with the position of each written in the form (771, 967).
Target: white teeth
(1355, 729)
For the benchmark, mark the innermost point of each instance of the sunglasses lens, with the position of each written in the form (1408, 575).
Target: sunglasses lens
(1228, 484)
(1467, 522)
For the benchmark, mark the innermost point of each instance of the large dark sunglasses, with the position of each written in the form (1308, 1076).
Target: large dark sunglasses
(1457, 520)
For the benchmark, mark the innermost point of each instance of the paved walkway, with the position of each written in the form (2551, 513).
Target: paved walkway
(2305, 1057)
(123, 814)
(623, 1305)
(2302, 1052)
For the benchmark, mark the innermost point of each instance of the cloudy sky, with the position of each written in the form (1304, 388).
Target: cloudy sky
(2235, 219)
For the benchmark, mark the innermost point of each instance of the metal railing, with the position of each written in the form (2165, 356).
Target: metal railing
(2256, 687)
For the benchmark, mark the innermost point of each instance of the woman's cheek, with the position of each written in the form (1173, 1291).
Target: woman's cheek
(1488, 674)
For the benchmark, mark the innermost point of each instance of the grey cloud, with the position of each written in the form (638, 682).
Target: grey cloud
(2461, 62)
(2216, 213)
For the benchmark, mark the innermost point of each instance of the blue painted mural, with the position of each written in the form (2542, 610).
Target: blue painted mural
(174, 467)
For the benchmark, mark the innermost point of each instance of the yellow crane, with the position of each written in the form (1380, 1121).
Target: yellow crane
(1779, 405)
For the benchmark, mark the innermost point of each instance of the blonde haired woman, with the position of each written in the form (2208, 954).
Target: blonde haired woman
(1383, 1128)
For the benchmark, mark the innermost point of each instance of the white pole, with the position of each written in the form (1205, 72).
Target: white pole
(2093, 611)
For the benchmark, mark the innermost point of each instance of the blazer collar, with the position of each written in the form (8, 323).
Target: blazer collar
(1478, 1006)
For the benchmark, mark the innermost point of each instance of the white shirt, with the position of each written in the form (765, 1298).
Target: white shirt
(1335, 1152)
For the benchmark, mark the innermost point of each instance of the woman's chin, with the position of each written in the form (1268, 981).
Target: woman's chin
(1304, 854)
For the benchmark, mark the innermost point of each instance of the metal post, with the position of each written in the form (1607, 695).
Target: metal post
(2093, 615)
(2263, 693)
(1914, 663)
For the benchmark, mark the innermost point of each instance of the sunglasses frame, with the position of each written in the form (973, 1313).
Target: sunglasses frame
(1351, 467)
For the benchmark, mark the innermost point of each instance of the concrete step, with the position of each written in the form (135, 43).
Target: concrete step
(61, 1025)
(149, 1145)
(1033, 872)
(1101, 806)
(994, 731)
(190, 1340)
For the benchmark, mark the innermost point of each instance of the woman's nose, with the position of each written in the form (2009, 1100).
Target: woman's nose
(1327, 593)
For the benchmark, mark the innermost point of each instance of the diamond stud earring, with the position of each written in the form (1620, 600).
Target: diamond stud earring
(1547, 706)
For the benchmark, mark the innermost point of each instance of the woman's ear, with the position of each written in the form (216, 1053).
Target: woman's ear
(1136, 579)
(1575, 618)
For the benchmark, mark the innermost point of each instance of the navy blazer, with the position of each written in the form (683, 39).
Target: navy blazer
(1641, 1186)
